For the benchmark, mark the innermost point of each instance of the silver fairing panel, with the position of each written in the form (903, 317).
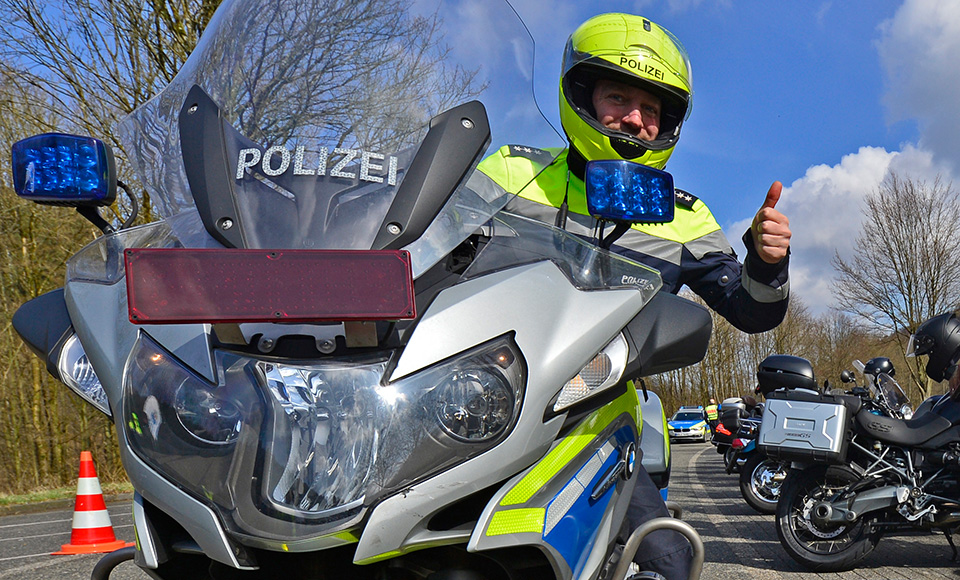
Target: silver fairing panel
(558, 329)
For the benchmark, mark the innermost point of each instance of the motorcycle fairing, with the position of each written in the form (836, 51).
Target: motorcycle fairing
(549, 505)
(572, 529)
(460, 317)
(553, 356)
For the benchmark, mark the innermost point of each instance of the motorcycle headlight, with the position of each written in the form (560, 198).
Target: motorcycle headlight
(78, 374)
(319, 439)
(603, 371)
(475, 405)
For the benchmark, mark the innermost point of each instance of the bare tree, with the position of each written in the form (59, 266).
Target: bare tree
(94, 61)
(904, 269)
(374, 73)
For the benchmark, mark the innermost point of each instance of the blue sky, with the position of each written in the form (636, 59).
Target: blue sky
(825, 96)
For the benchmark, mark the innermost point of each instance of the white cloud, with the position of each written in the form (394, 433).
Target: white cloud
(919, 48)
(825, 208)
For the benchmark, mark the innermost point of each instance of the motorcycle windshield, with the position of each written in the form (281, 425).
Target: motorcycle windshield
(295, 123)
(892, 392)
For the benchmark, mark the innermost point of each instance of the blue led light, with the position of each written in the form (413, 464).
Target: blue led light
(621, 190)
(64, 169)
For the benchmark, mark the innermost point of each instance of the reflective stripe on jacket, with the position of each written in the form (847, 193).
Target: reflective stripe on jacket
(691, 250)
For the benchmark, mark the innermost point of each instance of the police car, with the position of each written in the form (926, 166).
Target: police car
(689, 424)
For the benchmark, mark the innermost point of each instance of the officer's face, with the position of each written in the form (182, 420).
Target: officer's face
(625, 108)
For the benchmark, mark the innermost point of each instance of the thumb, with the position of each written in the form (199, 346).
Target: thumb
(773, 195)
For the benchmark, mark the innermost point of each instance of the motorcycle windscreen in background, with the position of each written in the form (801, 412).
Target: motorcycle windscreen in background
(327, 105)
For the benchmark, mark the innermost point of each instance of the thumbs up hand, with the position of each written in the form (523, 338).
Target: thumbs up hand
(771, 229)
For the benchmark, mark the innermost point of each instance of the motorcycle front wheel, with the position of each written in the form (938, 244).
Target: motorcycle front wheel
(818, 547)
(761, 480)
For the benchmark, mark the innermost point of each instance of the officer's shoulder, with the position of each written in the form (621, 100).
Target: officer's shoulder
(684, 198)
(543, 156)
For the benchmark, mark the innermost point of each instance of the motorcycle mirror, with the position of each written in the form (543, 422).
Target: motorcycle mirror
(624, 191)
(60, 169)
(846, 377)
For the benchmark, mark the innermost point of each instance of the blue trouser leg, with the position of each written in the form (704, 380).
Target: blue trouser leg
(664, 551)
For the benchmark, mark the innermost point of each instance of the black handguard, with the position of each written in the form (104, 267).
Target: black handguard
(669, 333)
(44, 324)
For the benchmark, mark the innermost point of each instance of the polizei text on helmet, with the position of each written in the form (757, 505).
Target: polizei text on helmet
(645, 68)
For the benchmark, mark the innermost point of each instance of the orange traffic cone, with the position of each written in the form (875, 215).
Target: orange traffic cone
(92, 532)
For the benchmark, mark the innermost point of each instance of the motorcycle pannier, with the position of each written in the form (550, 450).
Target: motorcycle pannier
(804, 427)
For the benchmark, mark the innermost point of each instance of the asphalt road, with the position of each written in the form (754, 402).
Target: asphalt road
(27, 540)
(739, 542)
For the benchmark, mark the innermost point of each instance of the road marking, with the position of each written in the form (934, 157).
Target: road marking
(66, 533)
(34, 524)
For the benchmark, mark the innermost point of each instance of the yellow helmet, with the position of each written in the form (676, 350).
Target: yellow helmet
(632, 50)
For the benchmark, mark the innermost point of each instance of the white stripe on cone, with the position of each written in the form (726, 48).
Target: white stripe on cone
(88, 520)
(88, 486)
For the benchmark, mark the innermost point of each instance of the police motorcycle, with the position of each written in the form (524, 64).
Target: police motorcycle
(858, 474)
(334, 356)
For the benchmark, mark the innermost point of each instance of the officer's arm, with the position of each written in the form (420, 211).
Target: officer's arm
(752, 296)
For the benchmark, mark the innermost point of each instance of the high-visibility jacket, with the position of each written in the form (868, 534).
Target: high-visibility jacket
(712, 413)
(691, 250)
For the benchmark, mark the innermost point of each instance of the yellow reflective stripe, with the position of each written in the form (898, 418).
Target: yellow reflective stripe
(518, 521)
(379, 557)
(516, 174)
(687, 225)
(346, 537)
(666, 438)
(571, 446)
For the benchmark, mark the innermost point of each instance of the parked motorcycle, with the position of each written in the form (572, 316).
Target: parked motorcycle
(332, 357)
(733, 427)
(725, 432)
(760, 477)
(858, 474)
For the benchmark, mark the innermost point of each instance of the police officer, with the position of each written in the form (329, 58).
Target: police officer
(625, 93)
(713, 415)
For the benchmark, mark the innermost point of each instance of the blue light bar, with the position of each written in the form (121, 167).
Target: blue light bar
(60, 169)
(619, 190)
